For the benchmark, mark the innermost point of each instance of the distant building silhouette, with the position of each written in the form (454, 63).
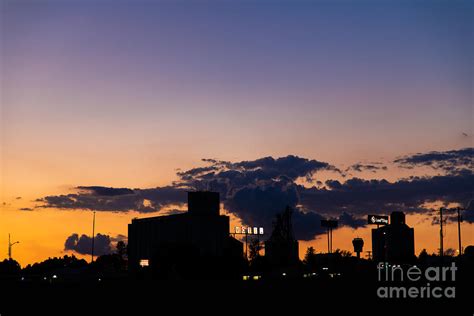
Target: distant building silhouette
(394, 242)
(181, 243)
(281, 249)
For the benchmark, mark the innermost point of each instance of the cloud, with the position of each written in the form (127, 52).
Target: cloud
(467, 214)
(451, 161)
(360, 167)
(99, 198)
(26, 209)
(358, 196)
(267, 168)
(346, 219)
(118, 238)
(105, 191)
(83, 244)
(189, 174)
(255, 191)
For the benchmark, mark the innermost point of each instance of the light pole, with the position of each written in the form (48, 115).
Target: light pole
(10, 245)
(441, 250)
(93, 237)
(459, 218)
(459, 229)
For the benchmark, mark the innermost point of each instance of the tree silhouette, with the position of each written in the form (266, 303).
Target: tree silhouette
(121, 248)
(310, 258)
(343, 253)
(450, 252)
(423, 255)
(9, 267)
(254, 249)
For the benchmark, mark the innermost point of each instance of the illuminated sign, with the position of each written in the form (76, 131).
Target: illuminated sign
(144, 263)
(242, 230)
(378, 220)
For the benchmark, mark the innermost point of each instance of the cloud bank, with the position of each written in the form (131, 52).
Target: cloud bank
(256, 190)
(103, 244)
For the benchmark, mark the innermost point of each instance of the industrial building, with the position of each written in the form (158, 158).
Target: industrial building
(395, 242)
(186, 244)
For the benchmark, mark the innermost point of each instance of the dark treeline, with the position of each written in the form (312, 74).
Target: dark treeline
(338, 265)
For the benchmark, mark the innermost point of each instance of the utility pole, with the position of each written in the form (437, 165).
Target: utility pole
(246, 243)
(93, 237)
(329, 241)
(441, 250)
(10, 245)
(330, 233)
(329, 224)
(459, 229)
(458, 210)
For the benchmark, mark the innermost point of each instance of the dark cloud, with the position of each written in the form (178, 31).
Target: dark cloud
(116, 200)
(26, 209)
(105, 191)
(360, 167)
(307, 225)
(346, 219)
(358, 196)
(451, 161)
(83, 244)
(118, 238)
(468, 214)
(267, 168)
(451, 214)
(255, 191)
(291, 166)
(189, 174)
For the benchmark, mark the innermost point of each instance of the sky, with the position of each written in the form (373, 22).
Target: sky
(132, 94)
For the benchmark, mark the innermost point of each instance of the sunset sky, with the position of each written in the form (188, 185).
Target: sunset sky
(99, 94)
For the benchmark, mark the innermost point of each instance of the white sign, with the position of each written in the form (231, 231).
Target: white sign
(243, 230)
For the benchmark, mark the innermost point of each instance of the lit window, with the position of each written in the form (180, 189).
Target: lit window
(261, 231)
(144, 263)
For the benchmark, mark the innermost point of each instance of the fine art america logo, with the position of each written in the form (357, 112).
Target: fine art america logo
(412, 282)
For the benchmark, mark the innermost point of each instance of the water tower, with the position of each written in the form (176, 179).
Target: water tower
(358, 244)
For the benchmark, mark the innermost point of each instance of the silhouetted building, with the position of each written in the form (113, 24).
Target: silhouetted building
(197, 240)
(281, 249)
(394, 242)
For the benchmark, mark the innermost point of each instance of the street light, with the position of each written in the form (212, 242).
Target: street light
(10, 245)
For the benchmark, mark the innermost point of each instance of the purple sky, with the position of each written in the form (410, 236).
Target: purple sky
(309, 78)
